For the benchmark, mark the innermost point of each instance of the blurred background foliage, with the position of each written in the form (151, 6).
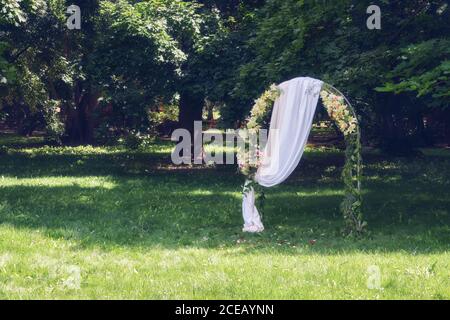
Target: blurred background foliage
(143, 68)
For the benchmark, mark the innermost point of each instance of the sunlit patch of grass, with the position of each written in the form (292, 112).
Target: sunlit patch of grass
(86, 182)
(214, 148)
(161, 148)
(80, 150)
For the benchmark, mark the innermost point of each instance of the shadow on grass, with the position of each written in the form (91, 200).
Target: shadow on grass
(138, 199)
(207, 215)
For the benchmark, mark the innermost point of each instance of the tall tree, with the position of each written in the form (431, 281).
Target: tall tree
(32, 54)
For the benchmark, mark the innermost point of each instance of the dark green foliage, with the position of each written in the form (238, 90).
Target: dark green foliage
(329, 40)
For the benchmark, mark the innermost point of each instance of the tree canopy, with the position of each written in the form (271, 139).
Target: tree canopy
(132, 57)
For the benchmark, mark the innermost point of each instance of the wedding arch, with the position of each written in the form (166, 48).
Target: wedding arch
(292, 106)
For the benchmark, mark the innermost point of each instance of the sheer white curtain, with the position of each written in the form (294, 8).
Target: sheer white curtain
(290, 125)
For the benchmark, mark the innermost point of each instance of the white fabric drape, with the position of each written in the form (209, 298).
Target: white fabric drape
(290, 125)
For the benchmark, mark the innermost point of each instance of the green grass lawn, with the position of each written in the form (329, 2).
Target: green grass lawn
(100, 223)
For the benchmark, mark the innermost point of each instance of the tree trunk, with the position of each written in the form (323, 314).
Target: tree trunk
(423, 140)
(447, 127)
(191, 109)
(389, 133)
(394, 136)
(80, 120)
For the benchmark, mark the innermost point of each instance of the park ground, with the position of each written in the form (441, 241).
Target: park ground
(107, 223)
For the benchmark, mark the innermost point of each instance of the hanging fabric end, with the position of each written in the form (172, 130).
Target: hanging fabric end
(252, 218)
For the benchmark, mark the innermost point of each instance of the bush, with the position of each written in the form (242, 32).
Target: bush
(136, 140)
